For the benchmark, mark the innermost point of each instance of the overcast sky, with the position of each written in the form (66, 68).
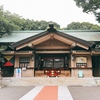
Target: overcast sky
(62, 12)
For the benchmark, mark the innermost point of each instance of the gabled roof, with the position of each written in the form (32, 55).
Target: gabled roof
(20, 35)
(87, 43)
(28, 39)
(48, 31)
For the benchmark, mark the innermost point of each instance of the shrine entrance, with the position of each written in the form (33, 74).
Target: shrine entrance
(53, 64)
(53, 61)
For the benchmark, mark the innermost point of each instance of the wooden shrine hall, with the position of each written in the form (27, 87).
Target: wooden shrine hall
(51, 53)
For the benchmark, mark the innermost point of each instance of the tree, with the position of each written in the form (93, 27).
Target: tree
(74, 26)
(82, 26)
(12, 22)
(90, 6)
(6, 26)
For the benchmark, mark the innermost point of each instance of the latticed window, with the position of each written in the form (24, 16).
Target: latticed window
(54, 62)
(24, 61)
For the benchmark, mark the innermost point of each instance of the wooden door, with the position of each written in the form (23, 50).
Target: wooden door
(53, 61)
(96, 66)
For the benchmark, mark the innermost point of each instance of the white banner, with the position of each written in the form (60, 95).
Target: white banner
(18, 72)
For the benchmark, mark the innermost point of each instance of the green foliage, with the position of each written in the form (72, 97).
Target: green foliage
(90, 6)
(6, 26)
(82, 26)
(2, 60)
(10, 22)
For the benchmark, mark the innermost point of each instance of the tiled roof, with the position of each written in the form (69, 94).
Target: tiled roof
(20, 35)
(86, 35)
(49, 30)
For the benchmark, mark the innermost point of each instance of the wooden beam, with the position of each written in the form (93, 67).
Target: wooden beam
(34, 42)
(21, 46)
(95, 53)
(30, 45)
(52, 47)
(82, 52)
(40, 40)
(83, 46)
(70, 42)
(62, 39)
(8, 52)
(52, 52)
(73, 45)
(23, 52)
(51, 36)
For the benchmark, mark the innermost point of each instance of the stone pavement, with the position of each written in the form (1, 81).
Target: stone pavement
(48, 93)
(85, 93)
(80, 88)
(59, 81)
(14, 92)
(77, 92)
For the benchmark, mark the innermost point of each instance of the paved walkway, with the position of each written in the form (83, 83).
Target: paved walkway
(77, 92)
(80, 88)
(48, 93)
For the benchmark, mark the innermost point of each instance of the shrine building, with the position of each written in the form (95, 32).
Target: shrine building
(51, 53)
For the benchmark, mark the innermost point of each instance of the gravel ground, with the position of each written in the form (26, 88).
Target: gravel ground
(85, 93)
(14, 93)
(78, 93)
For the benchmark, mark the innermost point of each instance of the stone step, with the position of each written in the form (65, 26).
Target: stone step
(59, 81)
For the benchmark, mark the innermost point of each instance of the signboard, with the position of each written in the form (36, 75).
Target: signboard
(81, 60)
(18, 72)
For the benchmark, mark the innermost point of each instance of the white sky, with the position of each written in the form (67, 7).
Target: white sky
(62, 12)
